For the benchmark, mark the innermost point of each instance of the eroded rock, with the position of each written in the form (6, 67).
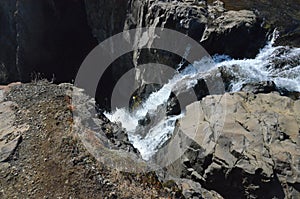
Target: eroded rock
(259, 87)
(10, 133)
(245, 145)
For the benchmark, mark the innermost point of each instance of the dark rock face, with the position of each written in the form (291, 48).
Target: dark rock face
(237, 33)
(282, 16)
(8, 69)
(106, 17)
(47, 37)
(260, 87)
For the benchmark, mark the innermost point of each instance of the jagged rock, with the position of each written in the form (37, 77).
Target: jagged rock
(279, 61)
(107, 142)
(245, 145)
(1, 95)
(234, 33)
(10, 134)
(259, 87)
(192, 189)
(276, 15)
(278, 64)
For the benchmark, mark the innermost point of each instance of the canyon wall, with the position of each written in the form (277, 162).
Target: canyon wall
(48, 37)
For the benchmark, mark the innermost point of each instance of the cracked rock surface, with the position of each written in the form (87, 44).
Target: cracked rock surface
(243, 145)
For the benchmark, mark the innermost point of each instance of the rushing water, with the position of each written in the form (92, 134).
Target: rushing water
(279, 64)
(148, 140)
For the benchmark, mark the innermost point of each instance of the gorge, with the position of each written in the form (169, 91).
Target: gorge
(238, 139)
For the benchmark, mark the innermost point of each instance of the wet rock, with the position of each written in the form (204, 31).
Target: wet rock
(283, 58)
(106, 141)
(246, 145)
(260, 87)
(145, 121)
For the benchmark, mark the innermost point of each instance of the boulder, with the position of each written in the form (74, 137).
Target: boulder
(235, 33)
(242, 145)
(10, 133)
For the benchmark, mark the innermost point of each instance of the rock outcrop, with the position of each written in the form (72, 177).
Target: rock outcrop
(43, 153)
(236, 33)
(55, 38)
(259, 87)
(240, 145)
(243, 145)
(220, 31)
(282, 16)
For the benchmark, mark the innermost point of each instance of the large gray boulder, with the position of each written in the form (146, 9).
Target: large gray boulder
(242, 145)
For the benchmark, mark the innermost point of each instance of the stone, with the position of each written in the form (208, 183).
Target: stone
(7, 149)
(233, 33)
(10, 135)
(106, 141)
(243, 141)
(192, 189)
(259, 87)
(213, 26)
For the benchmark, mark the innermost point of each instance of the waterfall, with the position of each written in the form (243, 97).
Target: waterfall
(280, 64)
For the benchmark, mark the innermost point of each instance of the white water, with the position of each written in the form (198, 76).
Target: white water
(148, 142)
(244, 71)
(261, 68)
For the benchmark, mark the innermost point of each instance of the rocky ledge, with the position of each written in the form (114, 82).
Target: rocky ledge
(242, 145)
(42, 157)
